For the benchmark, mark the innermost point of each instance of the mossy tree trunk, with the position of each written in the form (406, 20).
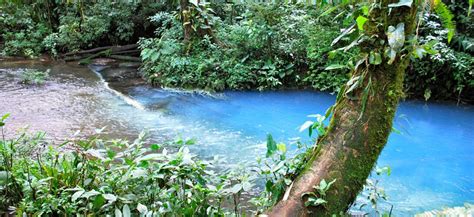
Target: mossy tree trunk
(185, 19)
(359, 127)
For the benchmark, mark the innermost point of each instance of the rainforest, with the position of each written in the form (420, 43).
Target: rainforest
(237, 108)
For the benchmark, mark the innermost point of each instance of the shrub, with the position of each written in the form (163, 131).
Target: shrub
(34, 77)
(447, 74)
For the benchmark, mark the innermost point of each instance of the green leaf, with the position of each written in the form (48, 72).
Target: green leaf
(110, 197)
(344, 33)
(126, 211)
(323, 184)
(361, 20)
(5, 116)
(365, 10)
(352, 84)
(155, 147)
(281, 147)
(396, 36)
(90, 194)
(3, 176)
(76, 195)
(375, 58)
(118, 213)
(235, 189)
(271, 145)
(447, 18)
(427, 94)
(391, 54)
(336, 66)
(142, 208)
(471, 2)
(306, 125)
(401, 3)
(98, 202)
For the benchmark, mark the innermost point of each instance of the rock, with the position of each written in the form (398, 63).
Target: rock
(119, 74)
(130, 64)
(103, 61)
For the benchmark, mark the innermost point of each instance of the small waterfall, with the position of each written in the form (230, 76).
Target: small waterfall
(129, 100)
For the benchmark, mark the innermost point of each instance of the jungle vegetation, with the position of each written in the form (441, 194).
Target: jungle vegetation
(238, 46)
(386, 50)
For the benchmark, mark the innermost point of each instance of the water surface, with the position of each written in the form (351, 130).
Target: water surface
(432, 159)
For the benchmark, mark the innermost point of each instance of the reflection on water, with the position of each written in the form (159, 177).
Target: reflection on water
(431, 160)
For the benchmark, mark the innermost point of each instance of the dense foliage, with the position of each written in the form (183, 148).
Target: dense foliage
(28, 29)
(266, 47)
(239, 46)
(290, 46)
(97, 177)
(116, 177)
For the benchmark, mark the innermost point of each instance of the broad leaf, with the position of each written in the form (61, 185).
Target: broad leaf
(271, 145)
(396, 36)
(306, 125)
(401, 3)
(360, 22)
(126, 211)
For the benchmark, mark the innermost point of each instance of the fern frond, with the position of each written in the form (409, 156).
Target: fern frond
(447, 18)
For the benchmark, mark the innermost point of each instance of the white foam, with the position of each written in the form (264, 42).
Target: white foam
(129, 100)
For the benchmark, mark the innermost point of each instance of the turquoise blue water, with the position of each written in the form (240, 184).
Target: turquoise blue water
(432, 159)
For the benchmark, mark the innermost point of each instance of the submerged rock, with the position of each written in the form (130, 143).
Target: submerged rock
(103, 61)
(119, 74)
(130, 64)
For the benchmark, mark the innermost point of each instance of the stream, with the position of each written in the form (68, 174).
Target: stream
(431, 159)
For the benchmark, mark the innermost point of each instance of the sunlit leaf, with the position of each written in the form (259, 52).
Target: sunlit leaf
(306, 125)
(142, 208)
(336, 66)
(76, 195)
(401, 3)
(361, 20)
(126, 211)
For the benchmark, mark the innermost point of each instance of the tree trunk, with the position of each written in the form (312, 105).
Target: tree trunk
(359, 127)
(185, 19)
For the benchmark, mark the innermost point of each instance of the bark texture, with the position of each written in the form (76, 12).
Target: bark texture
(185, 19)
(355, 136)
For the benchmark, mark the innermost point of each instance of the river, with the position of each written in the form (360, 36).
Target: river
(431, 159)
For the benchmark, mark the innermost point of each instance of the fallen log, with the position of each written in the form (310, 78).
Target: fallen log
(126, 52)
(127, 58)
(90, 56)
(98, 49)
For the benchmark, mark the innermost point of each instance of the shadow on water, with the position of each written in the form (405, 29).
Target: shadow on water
(431, 160)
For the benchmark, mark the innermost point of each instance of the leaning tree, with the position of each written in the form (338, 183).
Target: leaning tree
(361, 119)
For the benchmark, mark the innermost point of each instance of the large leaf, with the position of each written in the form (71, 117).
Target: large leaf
(306, 125)
(361, 20)
(401, 3)
(344, 33)
(76, 195)
(126, 211)
(142, 208)
(271, 145)
(336, 66)
(396, 36)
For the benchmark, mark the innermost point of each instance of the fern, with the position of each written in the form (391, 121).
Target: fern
(446, 18)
